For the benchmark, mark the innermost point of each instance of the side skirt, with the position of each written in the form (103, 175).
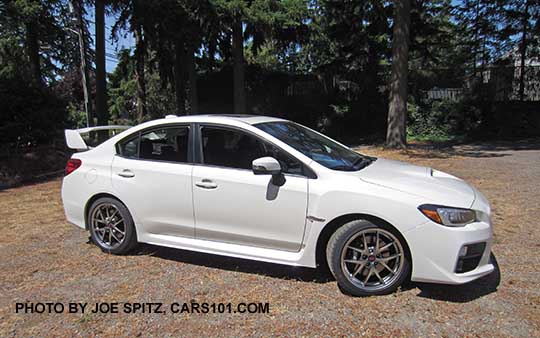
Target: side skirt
(228, 249)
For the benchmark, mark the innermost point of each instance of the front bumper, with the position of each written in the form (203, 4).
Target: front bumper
(435, 252)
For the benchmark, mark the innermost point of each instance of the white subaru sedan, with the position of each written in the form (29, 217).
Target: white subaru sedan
(272, 190)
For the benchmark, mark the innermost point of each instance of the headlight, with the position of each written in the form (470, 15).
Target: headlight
(453, 217)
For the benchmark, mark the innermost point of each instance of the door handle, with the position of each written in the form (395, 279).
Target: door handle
(126, 173)
(206, 184)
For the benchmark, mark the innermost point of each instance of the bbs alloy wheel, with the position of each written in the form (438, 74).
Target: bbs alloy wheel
(367, 259)
(111, 226)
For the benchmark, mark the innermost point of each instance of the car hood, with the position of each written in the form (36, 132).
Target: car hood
(435, 186)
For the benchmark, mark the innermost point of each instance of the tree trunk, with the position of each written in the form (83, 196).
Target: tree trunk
(192, 104)
(397, 110)
(32, 49)
(179, 77)
(101, 79)
(523, 56)
(239, 88)
(85, 77)
(140, 51)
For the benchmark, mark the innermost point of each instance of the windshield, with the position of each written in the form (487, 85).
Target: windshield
(321, 149)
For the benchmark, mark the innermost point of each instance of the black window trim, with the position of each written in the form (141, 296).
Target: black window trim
(198, 150)
(139, 133)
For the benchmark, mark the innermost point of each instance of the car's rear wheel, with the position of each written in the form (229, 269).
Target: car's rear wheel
(111, 226)
(367, 259)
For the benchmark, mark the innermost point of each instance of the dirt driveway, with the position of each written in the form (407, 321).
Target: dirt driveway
(45, 259)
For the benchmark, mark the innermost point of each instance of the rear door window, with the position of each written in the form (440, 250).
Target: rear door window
(168, 144)
(164, 144)
(129, 148)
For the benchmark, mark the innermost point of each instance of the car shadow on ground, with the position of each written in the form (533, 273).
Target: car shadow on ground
(238, 264)
(450, 293)
(463, 293)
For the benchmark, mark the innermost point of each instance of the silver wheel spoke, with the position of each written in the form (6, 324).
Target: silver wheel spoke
(353, 261)
(377, 242)
(101, 215)
(359, 268)
(114, 213)
(120, 231)
(114, 236)
(101, 233)
(386, 266)
(368, 275)
(389, 258)
(365, 242)
(115, 224)
(355, 249)
(378, 276)
(385, 247)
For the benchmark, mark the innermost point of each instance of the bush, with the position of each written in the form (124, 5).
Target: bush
(443, 119)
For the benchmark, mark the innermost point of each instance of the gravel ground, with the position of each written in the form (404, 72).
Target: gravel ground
(46, 259)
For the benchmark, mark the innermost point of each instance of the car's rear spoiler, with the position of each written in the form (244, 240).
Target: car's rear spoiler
(75, 140)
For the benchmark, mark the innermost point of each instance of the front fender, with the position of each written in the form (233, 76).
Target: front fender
(330, 200)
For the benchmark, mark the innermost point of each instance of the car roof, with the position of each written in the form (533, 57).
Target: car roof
(229, 119)
(249, 119)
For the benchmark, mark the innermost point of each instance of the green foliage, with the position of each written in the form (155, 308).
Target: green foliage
(160, 101)
(270, 25)
(443, 119)
(58, 49)
(34, 112)
(123, 93)
(265, 58)
(322, 62)
(76, 118)
(348, 36)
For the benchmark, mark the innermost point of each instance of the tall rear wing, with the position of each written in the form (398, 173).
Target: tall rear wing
(87, 138)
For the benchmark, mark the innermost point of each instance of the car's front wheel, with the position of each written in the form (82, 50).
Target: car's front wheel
(111, 226)
(367, 259)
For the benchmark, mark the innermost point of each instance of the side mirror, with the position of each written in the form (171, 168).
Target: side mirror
(266, 166)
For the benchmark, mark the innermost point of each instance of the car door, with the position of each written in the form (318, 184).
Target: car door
(232, 204)
(151, 173)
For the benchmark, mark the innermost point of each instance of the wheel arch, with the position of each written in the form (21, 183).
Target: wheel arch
(336, 223)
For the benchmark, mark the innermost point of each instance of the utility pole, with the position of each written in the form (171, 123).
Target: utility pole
(76, 7)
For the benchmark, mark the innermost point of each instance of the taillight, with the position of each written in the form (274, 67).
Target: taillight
(72, 165)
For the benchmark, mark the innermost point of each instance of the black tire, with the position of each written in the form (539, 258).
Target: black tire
(339, 267)
(127, 241)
